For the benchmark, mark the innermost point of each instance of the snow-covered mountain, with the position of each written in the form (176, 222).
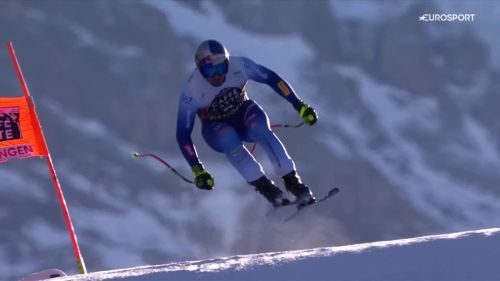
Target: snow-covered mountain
(468, 255)
(407, 127)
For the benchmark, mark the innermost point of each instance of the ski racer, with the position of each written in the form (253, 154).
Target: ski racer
(216, 92)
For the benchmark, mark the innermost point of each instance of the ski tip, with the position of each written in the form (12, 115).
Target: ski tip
(135, 154)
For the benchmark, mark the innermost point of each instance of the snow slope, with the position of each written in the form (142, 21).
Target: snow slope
(471, 255)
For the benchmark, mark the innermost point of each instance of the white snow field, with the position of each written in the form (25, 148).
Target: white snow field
(471, 255)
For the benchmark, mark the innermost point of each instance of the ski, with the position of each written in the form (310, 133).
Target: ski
(330, 194)
(274, 209)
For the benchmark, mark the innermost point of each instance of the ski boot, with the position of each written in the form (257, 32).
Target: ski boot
(271, 192)
(295, 186)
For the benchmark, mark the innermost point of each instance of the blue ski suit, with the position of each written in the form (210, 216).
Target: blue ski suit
(230, 118)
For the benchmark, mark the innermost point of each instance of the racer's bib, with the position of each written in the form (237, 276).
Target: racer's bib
(225, 104)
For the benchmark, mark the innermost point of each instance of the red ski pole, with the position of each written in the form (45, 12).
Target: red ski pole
(159, 159)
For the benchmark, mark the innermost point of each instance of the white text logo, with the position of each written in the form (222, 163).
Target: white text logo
(446, 17)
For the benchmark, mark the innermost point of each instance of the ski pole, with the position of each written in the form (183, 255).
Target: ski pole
(287, 125)
(159, 159)
(278, 126)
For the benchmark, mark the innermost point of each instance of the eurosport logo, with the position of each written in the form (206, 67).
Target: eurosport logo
(447, 17)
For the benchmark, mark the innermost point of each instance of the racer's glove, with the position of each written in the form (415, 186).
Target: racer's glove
(307, 113)
(202, 178)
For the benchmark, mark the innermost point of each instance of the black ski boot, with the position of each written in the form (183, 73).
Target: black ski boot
(296, 187)
(273, 194)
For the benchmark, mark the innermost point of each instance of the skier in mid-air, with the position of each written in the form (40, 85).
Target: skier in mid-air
(216, 92)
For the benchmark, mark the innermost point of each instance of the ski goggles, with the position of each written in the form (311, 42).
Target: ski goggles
(214, 70)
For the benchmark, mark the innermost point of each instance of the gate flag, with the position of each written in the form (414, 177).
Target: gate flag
(20, 134)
